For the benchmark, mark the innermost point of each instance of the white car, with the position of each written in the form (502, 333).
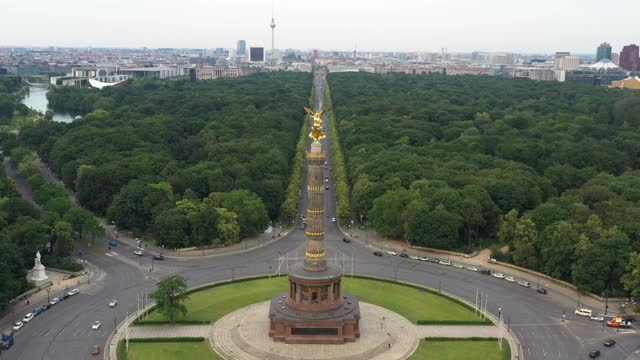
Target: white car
(414, 257)
(96, 325)
(73, 292)
(583, 312)
(54, 301)
(392, 253)
(510, 279)
(333, 220)
(27, 318)
(472, 268)
(17, 326)
(445, 262)
(113, 303)
(423, 258)
(138, 252)
(596, 318)
(524, 283)
(498, 275)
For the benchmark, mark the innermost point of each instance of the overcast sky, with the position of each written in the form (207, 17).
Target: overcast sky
(540, 26)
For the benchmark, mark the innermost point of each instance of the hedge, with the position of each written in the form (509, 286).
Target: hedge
(174, 339)
(165, 322)
(454, 322)
(337, 163)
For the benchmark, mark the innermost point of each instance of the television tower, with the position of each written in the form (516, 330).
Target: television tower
(273, 27)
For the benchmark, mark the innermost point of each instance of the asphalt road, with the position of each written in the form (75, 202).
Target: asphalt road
(64, 332)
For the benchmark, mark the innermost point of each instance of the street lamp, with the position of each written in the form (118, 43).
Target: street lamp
(48, 291)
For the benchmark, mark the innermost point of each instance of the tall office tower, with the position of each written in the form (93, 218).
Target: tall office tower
(604, 51)
(256, 54)
(241, 49)
(630, 58)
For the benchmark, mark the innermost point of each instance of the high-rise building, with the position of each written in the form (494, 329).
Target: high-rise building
(630, 58)
(256, 54)
(604, 51)
(241, 49)
(615, 58)
(502, 59)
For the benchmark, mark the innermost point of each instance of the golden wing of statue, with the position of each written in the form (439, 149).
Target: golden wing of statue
(309, 111)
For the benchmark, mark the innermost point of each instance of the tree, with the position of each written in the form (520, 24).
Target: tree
(252, 214)
(557, 244)
(228, 227)
(525, 240)
(63, 240)
(170, 297)
(437, 228)
(204, 225)
(507, 227)
(631, 280)
(171, 228)
(387, 213)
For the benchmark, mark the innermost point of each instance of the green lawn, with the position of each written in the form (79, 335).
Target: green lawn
(171, 351)
(461, 350)
(414, 304)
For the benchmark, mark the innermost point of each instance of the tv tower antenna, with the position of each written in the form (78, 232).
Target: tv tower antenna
(273, 27)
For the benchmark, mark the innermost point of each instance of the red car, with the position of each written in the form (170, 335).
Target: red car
(95, 350)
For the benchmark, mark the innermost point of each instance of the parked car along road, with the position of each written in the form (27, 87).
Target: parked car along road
(445, 262)
(27, 318)
(458, 266)
(472, 268)
(542, 290)
(138, 252)
(73, 292)
(498, 275)
(17, 326)
(510, 279)
(377, 253)
(392, 253)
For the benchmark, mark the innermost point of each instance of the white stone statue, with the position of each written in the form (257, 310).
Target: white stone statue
(38, 273)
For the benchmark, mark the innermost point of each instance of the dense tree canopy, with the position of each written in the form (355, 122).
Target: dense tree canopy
(142, 149)
(439, 160)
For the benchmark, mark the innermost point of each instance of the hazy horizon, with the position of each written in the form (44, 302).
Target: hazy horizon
(376, 25)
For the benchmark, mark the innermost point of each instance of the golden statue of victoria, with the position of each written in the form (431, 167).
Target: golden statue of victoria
(316, 128)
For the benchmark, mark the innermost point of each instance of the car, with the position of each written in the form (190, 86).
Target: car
(596, 318)
(542, 291)
(113, 243)
(392, 253)
(346, 240)
(510, 279)
(423, 258)
(138, 252)
(434, 260)
(17, 326)
(627, 318)
(377, 253)
(472, 268)
(113, 302)
(27, 318)
(333, 220)
(158, 257)
(498, 275)
(37, 311)
(54, 301)
(64, 296)
(414, 257)
(524, 283)
(583, 312)
(96, 325)
(594, 354)
(458, 266)
(45, 307)
(445, 262)
(326, 187)
(609, 342)
(95, 350)
(404, 255)
(326, 179)
(73, 292)
(485, 271)
(303, 226)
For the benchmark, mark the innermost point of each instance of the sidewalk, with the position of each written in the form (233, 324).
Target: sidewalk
(169, 331)
(427, 331)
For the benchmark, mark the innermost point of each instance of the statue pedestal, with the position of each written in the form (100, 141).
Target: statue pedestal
(38, 273)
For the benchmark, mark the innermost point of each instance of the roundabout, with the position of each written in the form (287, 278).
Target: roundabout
(236, 330)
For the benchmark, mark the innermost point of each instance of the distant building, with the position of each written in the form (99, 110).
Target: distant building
(214, 72)
(80, 76)
(501, 59)
(615, 58)
(154, 72)
(630, 58)
(628, 83)
(568, 63)
(603, 72)
(256, 54)
(241, 48)
(603, 52)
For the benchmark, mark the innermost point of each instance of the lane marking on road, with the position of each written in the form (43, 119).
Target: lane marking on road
(108, 254)
(551, 324)
(114, 253)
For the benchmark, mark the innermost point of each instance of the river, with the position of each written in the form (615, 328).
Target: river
(37, 100)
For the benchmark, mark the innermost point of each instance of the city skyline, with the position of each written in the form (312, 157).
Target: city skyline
(493, 26)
